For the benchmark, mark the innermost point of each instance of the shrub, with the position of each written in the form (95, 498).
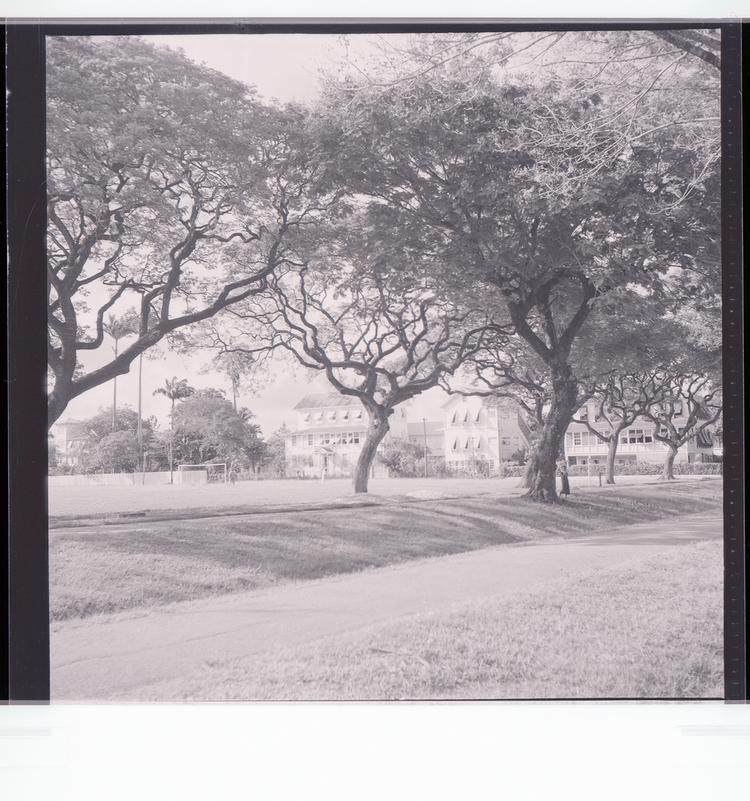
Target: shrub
(649, 469)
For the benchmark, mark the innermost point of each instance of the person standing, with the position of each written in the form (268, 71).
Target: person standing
(562, 469)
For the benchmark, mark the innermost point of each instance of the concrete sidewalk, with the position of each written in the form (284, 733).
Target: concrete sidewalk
(97, 659)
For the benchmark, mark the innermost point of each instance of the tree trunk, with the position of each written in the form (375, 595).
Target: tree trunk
(667, 473)
(114, 397)
(56, 405)
(377, 429)
(140, 415)
(611, 454)
(542, 468)
(171, 445)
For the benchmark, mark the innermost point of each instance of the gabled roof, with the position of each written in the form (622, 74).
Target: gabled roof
(322, 400)
(487, 402)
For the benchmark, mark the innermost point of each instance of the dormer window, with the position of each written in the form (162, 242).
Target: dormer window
(319, 416)
(332, 414)
(359, 414)
(345, 414)
(306, 418)
(455, 445)
(479, 412)
(466, 446)
(455, 416)
(466, 416)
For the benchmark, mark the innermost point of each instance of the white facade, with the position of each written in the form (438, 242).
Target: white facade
(480, 433)
(637, 442)
(328, 434)
(69, 437)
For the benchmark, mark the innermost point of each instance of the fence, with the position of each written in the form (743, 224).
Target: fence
(191, 477)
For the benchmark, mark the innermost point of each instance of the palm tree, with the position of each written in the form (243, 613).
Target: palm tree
(118, 328)
(174, 389)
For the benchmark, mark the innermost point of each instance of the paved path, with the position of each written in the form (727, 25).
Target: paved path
(98, 659)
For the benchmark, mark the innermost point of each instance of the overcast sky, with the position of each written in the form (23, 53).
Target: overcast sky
(287, 68)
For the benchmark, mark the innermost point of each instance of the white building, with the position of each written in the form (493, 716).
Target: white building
(480, 433)
(328, 434)
(69, 437)
(637, 442)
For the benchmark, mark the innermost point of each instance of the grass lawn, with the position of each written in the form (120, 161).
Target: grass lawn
(73, 503)
(104, 569)
(647, 629)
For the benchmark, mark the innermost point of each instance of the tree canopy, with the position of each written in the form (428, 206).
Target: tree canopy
(158, 171)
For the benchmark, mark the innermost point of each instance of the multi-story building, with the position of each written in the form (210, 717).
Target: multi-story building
(637, 442)
(480, 433)
(475, 436)
(328, 434)
(69, 437)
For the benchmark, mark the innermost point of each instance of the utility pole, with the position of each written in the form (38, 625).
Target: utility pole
(497, 420)
(140, 418)
(114, 395)
(424, 433)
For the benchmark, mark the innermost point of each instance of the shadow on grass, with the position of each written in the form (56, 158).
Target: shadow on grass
(154, 563)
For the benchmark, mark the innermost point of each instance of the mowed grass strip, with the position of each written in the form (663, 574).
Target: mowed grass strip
(100, 570)
(648, 629)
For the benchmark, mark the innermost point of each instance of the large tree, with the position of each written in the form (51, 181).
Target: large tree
(208, 429)
(556, 199)
(159, 171)
(687, 405)
(106, 450)
(376, 339)
(621, 398)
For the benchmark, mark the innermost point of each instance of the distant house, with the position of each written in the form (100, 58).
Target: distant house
(328, 434)
(637, 442)
(480, 433)
(70, 437)
(429, 433)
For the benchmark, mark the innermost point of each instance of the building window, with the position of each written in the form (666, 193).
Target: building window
(479, 413)
(309, 439)
(577, 438)
(455, 445)
(306, 418)
(455, 416)
(635, 436)
(506, 441)
(648, 436)
(355, 437)
(466, 416)
(583, 413)
(332, 414)
(294, 441)
(345, 414)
